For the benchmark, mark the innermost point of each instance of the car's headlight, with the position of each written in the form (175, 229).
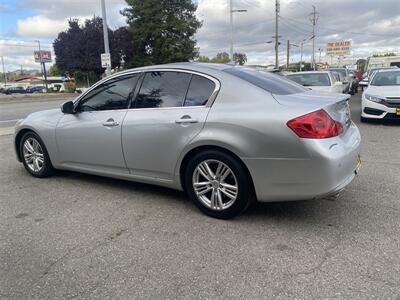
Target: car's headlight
(372, 98)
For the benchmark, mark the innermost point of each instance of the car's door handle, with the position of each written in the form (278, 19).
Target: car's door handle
(110, 123)
(186, 121)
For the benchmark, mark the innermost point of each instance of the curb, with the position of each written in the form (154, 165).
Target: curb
(37, 99)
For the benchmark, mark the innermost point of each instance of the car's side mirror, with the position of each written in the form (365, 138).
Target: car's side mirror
(68, 107)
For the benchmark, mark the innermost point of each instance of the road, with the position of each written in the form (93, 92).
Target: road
(82, 236)
(13, 110)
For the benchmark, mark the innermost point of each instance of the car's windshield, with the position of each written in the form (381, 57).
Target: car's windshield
(342, 72)
(315, 79)
(272, 83)
(386, 78)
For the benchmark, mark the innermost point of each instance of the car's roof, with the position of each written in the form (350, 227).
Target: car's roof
(195, 66)
(388, 70)
(308, 72)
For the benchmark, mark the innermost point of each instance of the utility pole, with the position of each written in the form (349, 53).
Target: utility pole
(287, 54)
(42, 65)
(301, 55)
(320, 50)
(105, 33)
(231, 11)
(4, 73)
(313, 19)
(231, 24)
(277, 8)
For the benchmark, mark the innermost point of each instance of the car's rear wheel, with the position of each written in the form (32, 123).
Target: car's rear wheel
(218, 184)
(34, 156)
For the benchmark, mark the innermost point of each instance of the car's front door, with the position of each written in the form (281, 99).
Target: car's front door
(169, 110)
(91, 138)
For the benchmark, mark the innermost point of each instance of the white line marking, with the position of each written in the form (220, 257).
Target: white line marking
(8, 121)
(6, 131)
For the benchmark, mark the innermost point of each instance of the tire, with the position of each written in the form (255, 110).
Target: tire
(39, 165)
(228, 202)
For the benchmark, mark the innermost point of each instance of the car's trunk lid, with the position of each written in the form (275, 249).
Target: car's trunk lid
(336, 105)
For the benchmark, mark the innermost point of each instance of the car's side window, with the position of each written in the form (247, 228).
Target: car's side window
(200, 90)
(112, 94)
(162, 89)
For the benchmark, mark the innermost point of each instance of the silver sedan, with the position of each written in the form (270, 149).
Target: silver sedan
(225, 135)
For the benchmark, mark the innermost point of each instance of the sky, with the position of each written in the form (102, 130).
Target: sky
(372, 25)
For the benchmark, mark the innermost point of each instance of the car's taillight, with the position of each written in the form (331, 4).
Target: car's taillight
(316, 125)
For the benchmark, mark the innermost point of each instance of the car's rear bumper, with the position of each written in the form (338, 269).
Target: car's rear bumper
(332, 165)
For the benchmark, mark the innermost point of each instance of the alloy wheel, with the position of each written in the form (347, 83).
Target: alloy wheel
(33, 155)
(215, 184)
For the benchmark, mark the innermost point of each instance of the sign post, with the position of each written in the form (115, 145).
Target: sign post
(42, 57)
(105, 60)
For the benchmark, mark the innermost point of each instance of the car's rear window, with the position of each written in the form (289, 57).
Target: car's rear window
(312, 79)
(272, 83)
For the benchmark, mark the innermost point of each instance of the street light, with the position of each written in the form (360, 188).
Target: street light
(4, 73)
(231, 11)
(301, 53)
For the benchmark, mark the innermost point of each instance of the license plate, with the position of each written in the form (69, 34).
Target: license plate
(398, 111)
(358, 163)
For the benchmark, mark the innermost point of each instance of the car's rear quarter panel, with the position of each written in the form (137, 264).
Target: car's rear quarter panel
(249, 122)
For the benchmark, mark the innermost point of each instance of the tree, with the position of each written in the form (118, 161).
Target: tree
(78, 49)
(163, 31)
(204, 59)
(239, 58)
(122, 46)
(54, 71)
(221, 58)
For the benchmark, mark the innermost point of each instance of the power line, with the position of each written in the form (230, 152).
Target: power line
(19, 45)
(337, 30)
(293, 27)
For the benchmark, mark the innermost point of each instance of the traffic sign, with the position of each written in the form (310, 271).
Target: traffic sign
(105, 60)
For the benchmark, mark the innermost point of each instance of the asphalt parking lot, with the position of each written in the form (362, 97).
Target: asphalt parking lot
(82, 236)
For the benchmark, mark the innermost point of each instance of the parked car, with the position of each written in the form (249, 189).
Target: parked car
(370, 73)
(381, 100)
(344, 78)
(223, 134)
(353, 83)
(14, 90)
(33, 89)
(322, 81)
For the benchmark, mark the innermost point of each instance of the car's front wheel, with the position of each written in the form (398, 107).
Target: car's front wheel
(218, 184)
(34, 156)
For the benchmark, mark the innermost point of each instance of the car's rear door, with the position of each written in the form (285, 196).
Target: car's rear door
(90, 139)
(170, 109)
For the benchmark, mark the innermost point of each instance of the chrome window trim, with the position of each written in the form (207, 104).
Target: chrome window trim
(210, 100)
(104, 80)
(143, 71)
